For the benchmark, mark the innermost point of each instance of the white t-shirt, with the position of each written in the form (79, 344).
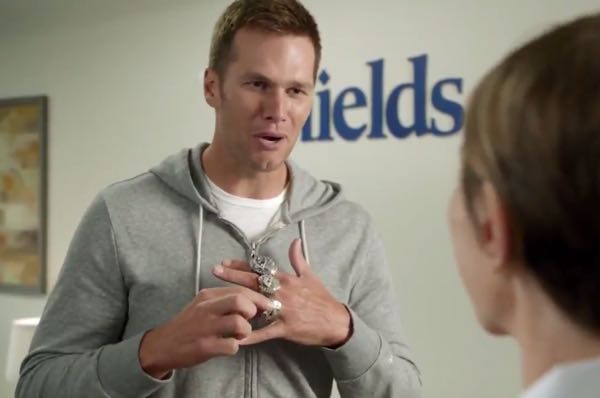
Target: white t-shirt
(573, 380)
(252, 216)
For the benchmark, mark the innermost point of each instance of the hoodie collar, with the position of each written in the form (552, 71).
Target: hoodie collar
(307, 196)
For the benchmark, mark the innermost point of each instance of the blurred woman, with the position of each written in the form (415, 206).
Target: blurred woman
(524, 220)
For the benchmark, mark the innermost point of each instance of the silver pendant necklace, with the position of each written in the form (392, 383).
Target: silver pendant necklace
(262, 265)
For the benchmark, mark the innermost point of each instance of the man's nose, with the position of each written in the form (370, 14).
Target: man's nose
(276, 106)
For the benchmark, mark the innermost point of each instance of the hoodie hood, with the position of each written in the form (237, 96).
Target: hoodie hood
(307, 196)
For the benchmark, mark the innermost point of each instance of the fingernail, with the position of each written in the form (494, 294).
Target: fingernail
(218, 269)
(226, 263)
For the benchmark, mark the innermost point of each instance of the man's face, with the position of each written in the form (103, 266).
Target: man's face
(263, 99)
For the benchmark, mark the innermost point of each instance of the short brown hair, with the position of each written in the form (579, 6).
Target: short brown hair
(277, 16)
(533, 130)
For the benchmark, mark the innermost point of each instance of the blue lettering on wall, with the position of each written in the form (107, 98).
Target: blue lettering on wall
(387, 109)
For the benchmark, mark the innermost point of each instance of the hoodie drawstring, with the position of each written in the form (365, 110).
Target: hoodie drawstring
(199, 246)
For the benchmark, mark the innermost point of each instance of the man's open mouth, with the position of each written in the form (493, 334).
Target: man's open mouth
(269, 138)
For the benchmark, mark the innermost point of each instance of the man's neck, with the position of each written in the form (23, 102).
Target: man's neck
(547, 337)
(242, 182)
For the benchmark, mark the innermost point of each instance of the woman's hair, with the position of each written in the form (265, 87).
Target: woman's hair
(533, 130)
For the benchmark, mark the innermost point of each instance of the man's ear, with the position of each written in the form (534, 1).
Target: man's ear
(212, 86)
(495, 232)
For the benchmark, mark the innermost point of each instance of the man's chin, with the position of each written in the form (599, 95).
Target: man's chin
(268, 165)
(268, 162)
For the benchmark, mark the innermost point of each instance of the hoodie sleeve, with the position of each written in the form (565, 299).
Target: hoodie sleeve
(77, 349)
(376, 361)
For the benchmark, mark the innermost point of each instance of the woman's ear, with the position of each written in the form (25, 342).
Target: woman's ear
(495, 233)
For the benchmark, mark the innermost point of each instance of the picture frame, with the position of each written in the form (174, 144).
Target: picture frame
(23, 194)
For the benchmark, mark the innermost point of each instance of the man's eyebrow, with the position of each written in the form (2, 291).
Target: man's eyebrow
(255, 76)
(307, 86)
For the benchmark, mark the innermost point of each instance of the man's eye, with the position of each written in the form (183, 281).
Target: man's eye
(258, 84)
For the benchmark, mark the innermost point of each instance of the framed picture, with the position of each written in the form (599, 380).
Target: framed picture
(23, 176)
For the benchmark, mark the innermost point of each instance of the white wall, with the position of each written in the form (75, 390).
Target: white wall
(122, 79)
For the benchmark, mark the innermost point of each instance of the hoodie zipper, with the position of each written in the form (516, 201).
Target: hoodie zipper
(254, 247)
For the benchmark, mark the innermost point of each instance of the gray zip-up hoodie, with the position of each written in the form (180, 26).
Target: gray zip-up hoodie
(147, 245)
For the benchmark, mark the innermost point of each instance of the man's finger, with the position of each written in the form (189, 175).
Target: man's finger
(297, 258)
(237, 264)
(227, 298)
(223, 346)
(232, 325)
(218, 292)
(274, 331)
(234, 304)
(242, 278)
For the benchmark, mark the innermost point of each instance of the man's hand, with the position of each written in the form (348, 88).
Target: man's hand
(211, 325)
(310, 315)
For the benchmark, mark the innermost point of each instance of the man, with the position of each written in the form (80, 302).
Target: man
(140, 308)
(524, 220)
